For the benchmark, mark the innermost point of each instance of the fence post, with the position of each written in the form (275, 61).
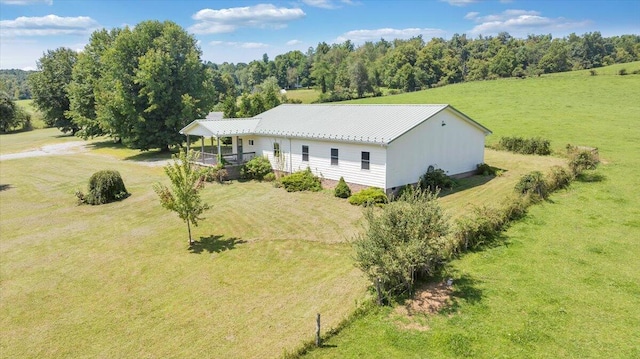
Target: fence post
(318, 330)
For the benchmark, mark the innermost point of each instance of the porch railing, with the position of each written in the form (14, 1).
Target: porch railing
(209, 158)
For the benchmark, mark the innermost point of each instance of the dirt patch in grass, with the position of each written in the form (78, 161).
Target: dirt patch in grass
(429, 299)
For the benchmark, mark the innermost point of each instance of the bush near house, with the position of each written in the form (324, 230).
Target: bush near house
(256, 168)
(104, 187)
(216, 174)
(435, 180)
(301, 181)
(532, 183)
(369, 196)
(342, 190)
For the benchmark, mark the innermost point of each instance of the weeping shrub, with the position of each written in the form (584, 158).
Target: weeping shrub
(342, 190)
(104, 187)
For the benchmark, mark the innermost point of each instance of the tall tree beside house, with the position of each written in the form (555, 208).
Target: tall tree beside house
(184, 195)
(154, 84)
(49, 88)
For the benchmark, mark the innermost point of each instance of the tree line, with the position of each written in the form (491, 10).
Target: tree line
(141, 85)
(345, 70)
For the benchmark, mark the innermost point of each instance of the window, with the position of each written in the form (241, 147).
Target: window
(334, 156)
(305, 153)
(250, 142)
(364, 164)
(276, 149)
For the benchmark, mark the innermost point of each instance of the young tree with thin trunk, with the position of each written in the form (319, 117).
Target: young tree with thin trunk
(184, 195)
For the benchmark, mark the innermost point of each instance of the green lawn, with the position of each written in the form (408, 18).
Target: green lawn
(303, 94)
(120, 281)
(566, 280)
(36, 117)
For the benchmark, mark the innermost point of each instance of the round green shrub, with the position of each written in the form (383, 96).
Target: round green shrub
(342, 190)
(301, 181)
(434, 180)
(256, 168)
(105, 186)
(269, 177)
(368, 196)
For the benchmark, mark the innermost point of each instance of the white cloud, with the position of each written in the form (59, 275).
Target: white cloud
(26, 2)
(520, 22)
(241, 45)
(228, 20)
(47, 26)
(460, 2)
(328, 4)
(471, 15)
(360, 36)
(293, 42)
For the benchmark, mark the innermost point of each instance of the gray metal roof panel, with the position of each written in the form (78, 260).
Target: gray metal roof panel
(359, 123)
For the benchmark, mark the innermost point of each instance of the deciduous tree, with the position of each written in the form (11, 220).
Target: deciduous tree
(49, 88)
(184, 195)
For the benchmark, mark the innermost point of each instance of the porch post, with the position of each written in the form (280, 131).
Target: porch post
(187, 143)
(202, 147)
(219, 157)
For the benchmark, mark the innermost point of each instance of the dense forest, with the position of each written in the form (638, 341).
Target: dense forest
(14, 83)
(345, 70)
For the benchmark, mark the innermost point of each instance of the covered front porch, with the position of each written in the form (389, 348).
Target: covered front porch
(220, 140)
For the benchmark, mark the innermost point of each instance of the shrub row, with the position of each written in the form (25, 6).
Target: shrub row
(527, 146)
(215, 174)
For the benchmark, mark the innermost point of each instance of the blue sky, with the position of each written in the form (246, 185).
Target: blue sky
(241, 31)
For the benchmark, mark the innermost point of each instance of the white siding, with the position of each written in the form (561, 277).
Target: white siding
(456, 148)
(349, 159)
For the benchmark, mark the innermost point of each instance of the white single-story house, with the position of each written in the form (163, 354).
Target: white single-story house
(384, 146)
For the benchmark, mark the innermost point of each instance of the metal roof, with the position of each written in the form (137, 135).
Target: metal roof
(218, 128)
(378, 124)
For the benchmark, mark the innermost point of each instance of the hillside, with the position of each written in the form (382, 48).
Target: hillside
(565, 281)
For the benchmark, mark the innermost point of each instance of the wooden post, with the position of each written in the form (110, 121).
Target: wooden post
(379, 291)
(187, 143)
(318, 330)
(202, 151)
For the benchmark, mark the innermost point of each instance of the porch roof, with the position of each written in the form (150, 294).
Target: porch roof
(221, 128)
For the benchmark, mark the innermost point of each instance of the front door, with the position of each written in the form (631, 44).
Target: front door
(239, 150)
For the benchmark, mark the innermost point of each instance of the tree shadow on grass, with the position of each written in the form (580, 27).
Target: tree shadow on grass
(4, 187)
(464, 289)
(214, 244)
(589, 176)
(142, 156)
(467, 183)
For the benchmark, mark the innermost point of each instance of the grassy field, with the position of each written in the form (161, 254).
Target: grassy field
(304, 95)
(120, 281)
(566, 280)
(36, 118)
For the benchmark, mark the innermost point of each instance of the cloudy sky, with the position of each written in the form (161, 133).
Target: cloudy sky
(241, 31)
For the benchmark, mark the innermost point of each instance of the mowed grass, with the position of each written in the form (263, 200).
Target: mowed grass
(303, 94)
(119, 280)
(36, 117)
(565, 281)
